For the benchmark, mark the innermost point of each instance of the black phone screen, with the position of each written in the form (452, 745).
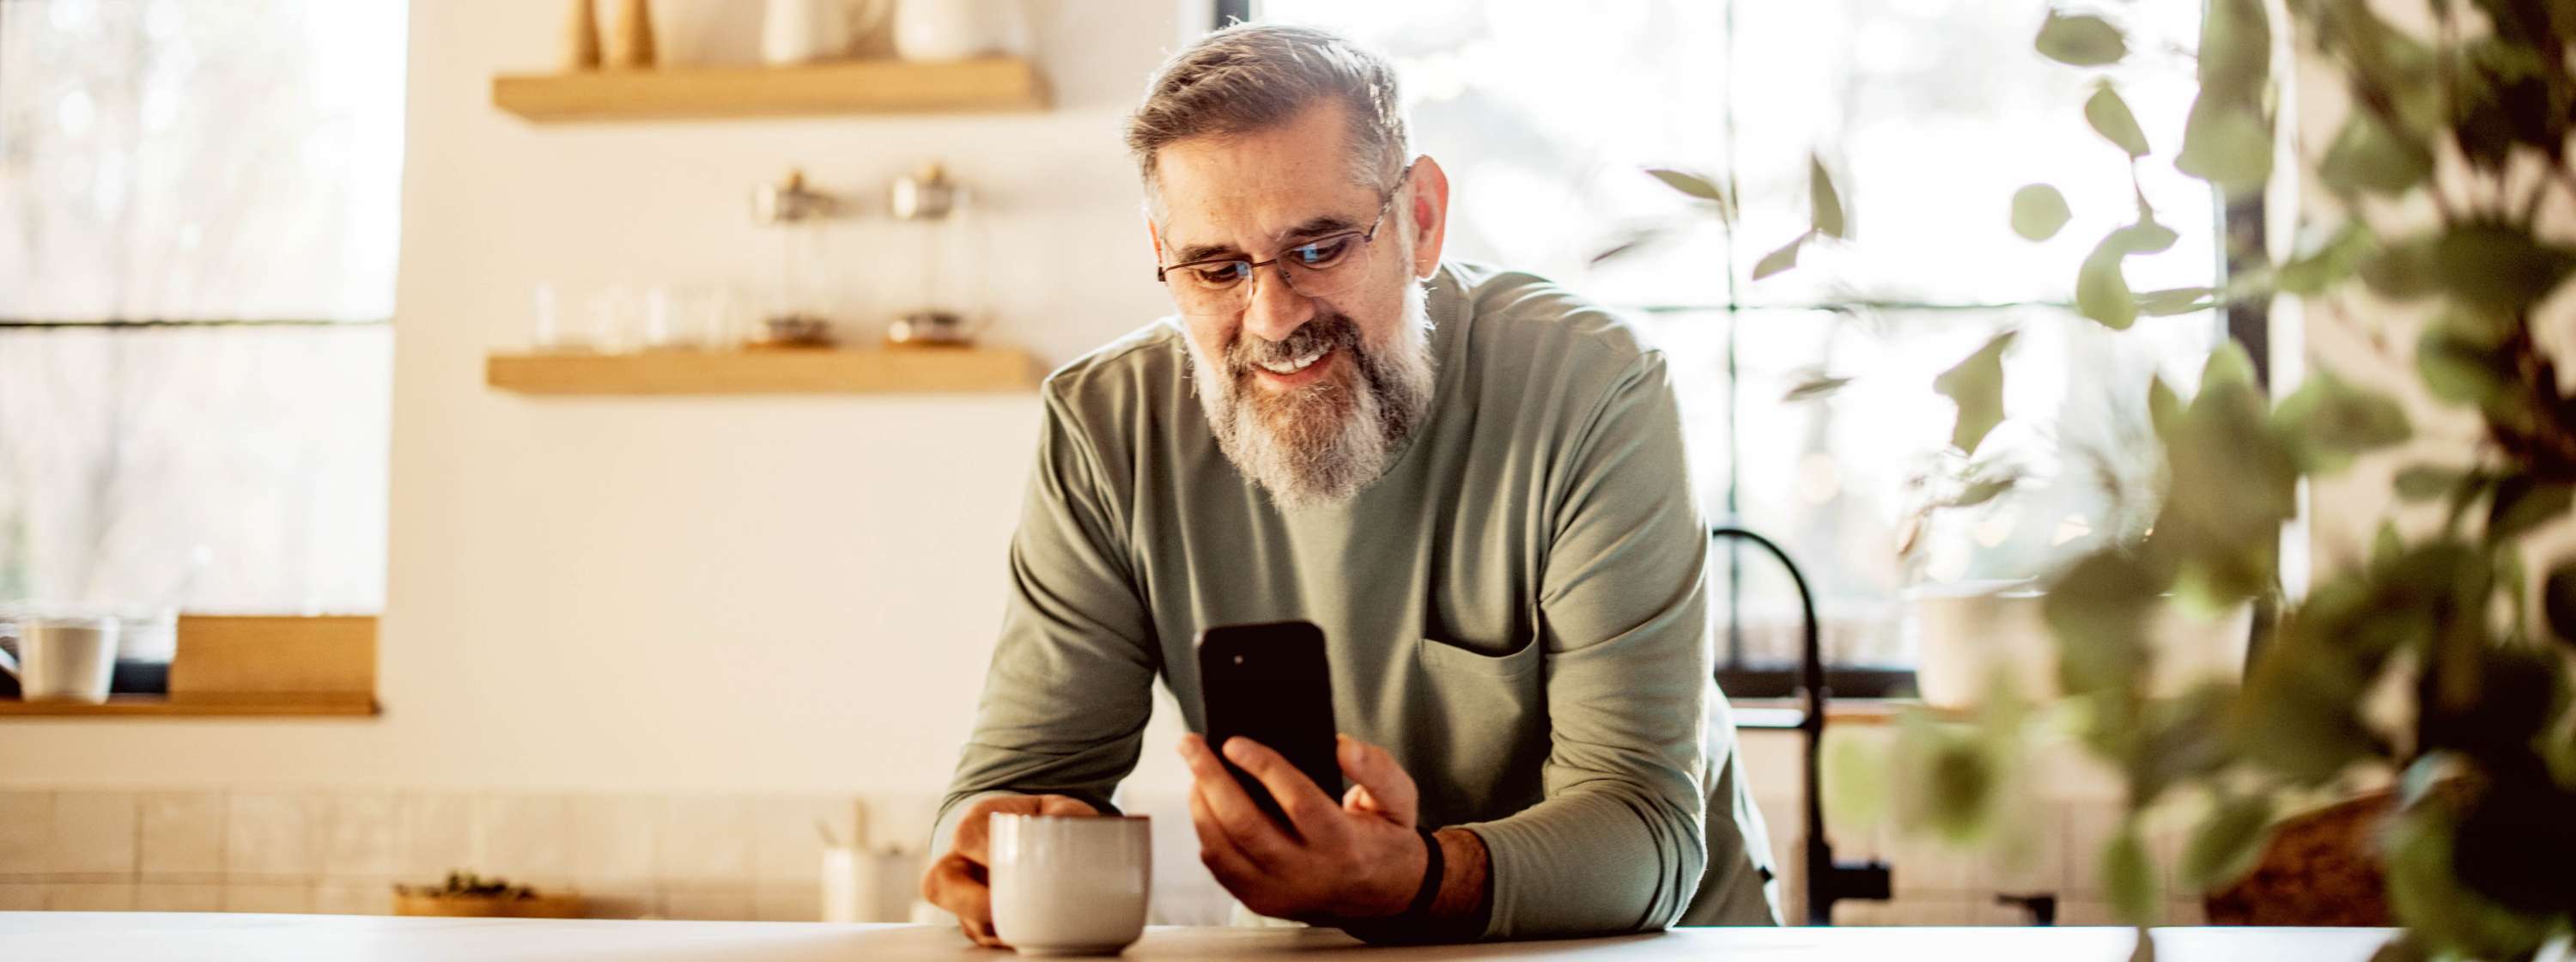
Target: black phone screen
(1270, 683)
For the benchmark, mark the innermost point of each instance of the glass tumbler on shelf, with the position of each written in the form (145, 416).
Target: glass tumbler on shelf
(546, 332)
(612, 313)
(666, 324)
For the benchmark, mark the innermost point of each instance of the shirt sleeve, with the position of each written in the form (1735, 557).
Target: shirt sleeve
(1616, 844)
(1071, 684)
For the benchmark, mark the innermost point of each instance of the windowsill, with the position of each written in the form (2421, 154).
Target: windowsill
(1782, 714)
(154, 706)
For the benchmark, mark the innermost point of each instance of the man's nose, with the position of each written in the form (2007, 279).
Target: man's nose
(1276, 310)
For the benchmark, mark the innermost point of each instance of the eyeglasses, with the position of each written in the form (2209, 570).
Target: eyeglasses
(1323, 267)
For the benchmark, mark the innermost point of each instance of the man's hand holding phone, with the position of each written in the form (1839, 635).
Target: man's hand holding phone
(961, 881)
(1359, 858)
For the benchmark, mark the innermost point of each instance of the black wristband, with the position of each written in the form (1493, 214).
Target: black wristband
(1433, 868)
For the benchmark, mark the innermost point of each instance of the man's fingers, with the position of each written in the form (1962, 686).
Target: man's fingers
(1231, 867)
(1252, 832)
(958, 887)
(973, 834)
(1064, 805)
(1311, 811)
(974, 829)
(1389, 791)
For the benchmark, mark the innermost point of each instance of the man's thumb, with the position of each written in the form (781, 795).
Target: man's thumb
(1377, 782)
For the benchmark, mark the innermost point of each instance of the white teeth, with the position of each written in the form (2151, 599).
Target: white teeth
(1293, 366)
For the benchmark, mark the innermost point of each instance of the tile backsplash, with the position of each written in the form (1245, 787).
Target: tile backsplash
(633, 856)
(759, 857)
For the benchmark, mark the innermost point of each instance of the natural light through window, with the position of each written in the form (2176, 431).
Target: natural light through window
(1929, 114)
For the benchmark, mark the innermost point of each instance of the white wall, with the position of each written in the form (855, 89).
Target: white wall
(725, 596)
(739, 595)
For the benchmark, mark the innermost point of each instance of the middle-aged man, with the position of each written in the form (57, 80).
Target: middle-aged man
(1473, 481)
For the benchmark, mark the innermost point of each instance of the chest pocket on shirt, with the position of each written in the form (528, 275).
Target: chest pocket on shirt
(1446, 658)
(1485, 733)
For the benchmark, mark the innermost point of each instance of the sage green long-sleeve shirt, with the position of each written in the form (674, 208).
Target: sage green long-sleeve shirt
(1515, 610)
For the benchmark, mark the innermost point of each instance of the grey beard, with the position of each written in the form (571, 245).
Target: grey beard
(1325, 443)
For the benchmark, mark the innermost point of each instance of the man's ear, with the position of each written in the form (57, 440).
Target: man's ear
(1430, 203)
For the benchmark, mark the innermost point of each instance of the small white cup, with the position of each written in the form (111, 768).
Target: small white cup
(64, 659)
(1070, 885)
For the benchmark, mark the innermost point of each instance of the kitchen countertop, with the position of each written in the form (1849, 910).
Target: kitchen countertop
(157, 936)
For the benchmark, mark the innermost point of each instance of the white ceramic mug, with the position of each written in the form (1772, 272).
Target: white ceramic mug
(933, 30)
(63, 659)
(1070, 884)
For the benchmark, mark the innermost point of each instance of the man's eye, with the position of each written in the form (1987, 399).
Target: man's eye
(1320, 253)
(1220, 275)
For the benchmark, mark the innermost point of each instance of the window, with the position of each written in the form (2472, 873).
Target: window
(198, 220)
(1929, 114)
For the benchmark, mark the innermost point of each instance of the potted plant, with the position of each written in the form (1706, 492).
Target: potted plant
(2443, 208)
(2438, 668)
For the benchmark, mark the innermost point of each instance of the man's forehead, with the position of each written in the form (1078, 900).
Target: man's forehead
(1242, 193)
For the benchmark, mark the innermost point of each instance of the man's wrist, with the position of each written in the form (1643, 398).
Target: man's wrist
(1428, 888)
(1456, 914)
(1466, 877)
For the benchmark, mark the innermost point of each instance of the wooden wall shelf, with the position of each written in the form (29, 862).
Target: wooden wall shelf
(250, 666)
(722, 93)
(155, 706)
(785, 371)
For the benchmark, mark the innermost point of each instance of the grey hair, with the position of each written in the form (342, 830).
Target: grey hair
(1251, 76)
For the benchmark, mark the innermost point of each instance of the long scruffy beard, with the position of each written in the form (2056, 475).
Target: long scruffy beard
(1322, 443)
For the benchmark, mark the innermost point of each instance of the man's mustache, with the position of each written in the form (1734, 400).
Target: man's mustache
(1324, 332)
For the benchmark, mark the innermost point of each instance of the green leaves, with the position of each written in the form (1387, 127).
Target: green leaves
(2426, 890)
(2401, 271)
(2164, 408)
(1825, 205)
(2227, 139)
(2424, 482)
(2225, 845)
(2330, 263)
(2039, 212)
(1825, 210)
(1779, 260)
(2457, 371)
(2328, 420)
(2558, 602)
(2098, 610)
(1813, 388)
(2233, 480)
(1959, 777)
(2367, 159)
(2101, 290)
(2082, 40)
(1689, 183)
(1976, 385)
(2111, 118)
(2235, 49)
(2178, 300)
(2497, 268)
(2522, 504)
(2129, 878)
(2226, 143)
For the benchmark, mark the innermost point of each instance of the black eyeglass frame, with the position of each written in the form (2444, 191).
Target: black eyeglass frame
(1253, 267)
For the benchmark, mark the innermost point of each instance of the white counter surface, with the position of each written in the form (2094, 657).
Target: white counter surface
(161, 937)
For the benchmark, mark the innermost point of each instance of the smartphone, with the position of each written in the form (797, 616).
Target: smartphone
(1270, 683)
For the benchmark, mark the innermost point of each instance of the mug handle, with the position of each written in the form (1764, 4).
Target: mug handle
(9, 664)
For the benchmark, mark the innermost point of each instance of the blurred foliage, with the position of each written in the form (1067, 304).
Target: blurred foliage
(2444, 661)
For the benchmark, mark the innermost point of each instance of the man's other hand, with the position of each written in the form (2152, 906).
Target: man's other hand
(961, 881)
(1358, 859)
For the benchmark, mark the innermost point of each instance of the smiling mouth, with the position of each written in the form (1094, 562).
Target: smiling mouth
(1295, 364)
